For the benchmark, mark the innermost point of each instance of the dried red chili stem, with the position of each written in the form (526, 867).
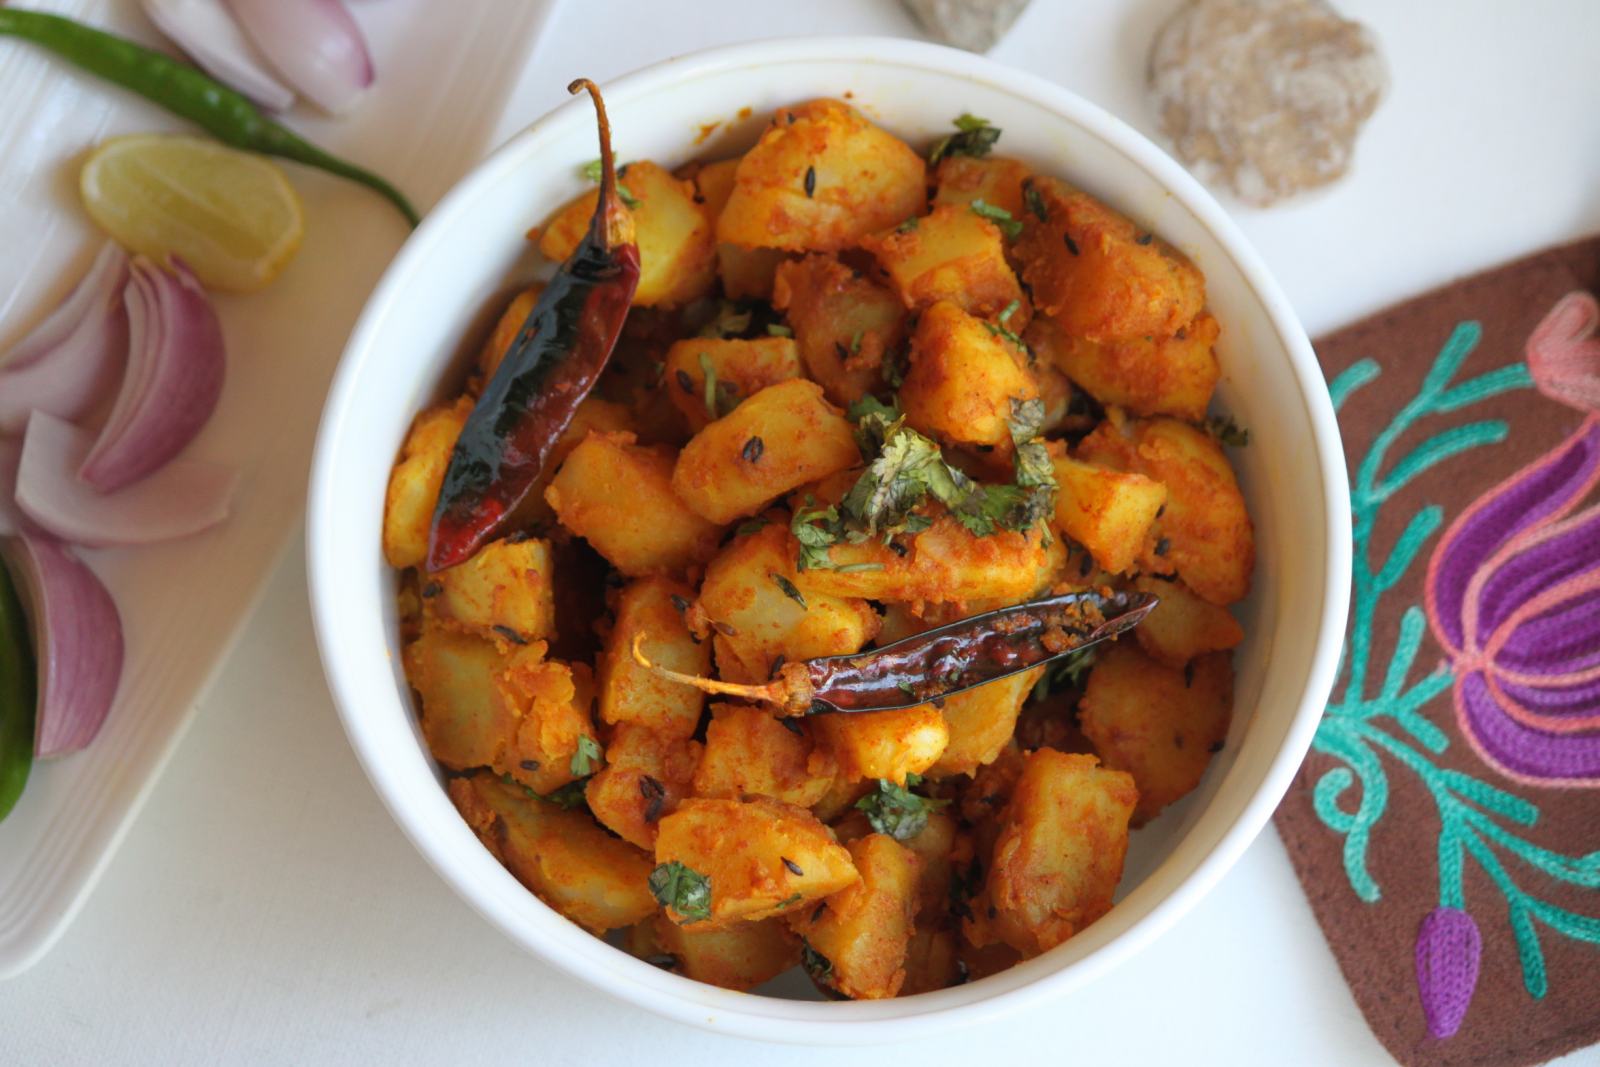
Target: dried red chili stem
(928, 666)
(552, 364)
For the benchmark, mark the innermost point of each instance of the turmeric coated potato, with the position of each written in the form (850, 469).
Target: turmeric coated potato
(784, 436)
(1059, 853)
(468, 715)
(858, 939)
(414, 483)
(653, 609)
(820, 178)
(571, 864)
(746, 273)
(953, 255)
(963, 379)
(748, 752)
(1108, 512)
(980, 722)
(932, 961)
(746, 596)
(675, 235)
(1172, 375)
(1183, 626)
(739, 370)
(846, 325)
(761, 857)
(946, 562)
(738, 957)
(884, 744)
(1210, 540)
(1159, 724)
(1100, 276)
(995, 180)
(506, 589)
(645, 776)
(619, 497)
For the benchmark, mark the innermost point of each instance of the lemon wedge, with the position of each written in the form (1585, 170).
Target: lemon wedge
(231, 216)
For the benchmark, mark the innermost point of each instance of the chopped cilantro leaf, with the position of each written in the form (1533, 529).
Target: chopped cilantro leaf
(897, 811)
(572, 795)
(976, 138)
(1224, 429)
(817, 530)
(589, 753)
(1034, 201)
(998, 215)
(683, 889)
(749, 526)
(777, 329)
(593, 170)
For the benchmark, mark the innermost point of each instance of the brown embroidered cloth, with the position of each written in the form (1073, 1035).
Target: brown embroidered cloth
(1446, 826)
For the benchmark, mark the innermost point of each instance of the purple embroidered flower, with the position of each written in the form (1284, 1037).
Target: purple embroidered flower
(1448, 950)
(1513, 589)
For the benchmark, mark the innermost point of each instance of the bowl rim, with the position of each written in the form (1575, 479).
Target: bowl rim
(723, 1011)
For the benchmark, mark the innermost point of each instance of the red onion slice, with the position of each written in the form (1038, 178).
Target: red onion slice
(208, 33)
(77, 639)
(176, 364)
(12, 521)
(73, 357)
(314, 44)
(185, 497)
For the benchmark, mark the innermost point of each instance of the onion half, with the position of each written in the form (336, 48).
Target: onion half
(209, 35)
(185, 497)
(72, 358)
(176, 364)
(77, 642)
(315, 44)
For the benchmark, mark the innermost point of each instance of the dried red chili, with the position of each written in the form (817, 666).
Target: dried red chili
(930, 666)
(553, 363)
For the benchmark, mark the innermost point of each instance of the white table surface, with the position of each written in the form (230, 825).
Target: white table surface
(265, 909)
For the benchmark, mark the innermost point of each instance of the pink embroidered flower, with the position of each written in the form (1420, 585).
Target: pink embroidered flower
(1513, 589)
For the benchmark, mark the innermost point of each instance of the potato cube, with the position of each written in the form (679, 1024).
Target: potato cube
(884, 744)
(963, 378)
(953, 255)
(784, 436)
(414, 483)
(714, 184)
(1159, 724)
(1210, 538)
(738, 957)
(675, 234)
(630, 693)
(1058, 857)
(505, 332)
(932, 962)
(757, 620)
(740, 370)
(750, 753)
(862, 933)
(1108, 512)
(841, 797)
(645, 776)
(821, 178)
(595, 413)
(618, 496)
(980, 722)
(1100, 276)
(946, 562)
(846, 325)
(993, 179)
(934, 845)
(467, 713)
(746, 272)
(567, 861)
(505, 590)
(1183, 626)
(1172, 375)
(761, 857)
(519, 715)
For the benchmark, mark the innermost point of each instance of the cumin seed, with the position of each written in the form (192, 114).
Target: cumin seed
(685, 382)
(794, 868)
(752, 450)
(1072, 246)
(811, 182)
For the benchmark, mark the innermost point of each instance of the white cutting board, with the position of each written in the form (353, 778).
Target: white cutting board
(436, 103)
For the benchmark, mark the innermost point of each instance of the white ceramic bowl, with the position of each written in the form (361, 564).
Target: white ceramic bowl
(472, 244)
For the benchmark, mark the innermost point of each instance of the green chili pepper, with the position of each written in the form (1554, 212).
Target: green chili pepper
(185, 91)
(17, 682)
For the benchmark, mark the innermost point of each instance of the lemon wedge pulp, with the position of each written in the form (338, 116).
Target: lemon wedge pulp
(231, 216)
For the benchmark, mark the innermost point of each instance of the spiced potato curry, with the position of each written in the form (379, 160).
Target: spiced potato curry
(861, 391)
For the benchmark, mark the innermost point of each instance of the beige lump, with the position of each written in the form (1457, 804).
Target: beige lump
(1264, 96)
